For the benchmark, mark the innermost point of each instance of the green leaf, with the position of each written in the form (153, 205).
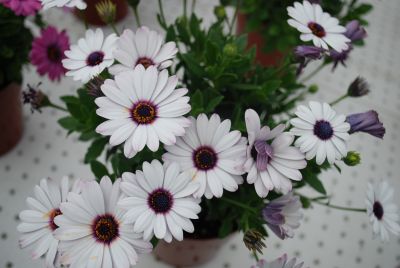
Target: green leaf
(225, 229)
(271, 85)
(69, 123)
(95, 149)
(193, 65)
(98, 169)
(214, 103)
(314, 182)
(245, 87)
(305, 202)
(197, 102)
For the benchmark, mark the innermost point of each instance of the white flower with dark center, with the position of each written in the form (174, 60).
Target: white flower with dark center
(281, 262)
(90, 56)
(381, 210)
(212, 153)
(323, 133)
(159, 201)
(144, 47)
(79, 4)
(318, 26)
(271, 160)
(93, 231)
(38, 222)
(142, 107)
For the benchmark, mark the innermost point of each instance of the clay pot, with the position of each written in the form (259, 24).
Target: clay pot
(10, 117)
(91, 16)
(189, 252)
(255, 39)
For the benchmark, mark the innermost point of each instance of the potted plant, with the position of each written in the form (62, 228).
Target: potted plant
(193, 158)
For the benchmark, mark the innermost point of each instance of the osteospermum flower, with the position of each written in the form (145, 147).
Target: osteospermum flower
(212, 153)
(144, 47)
(48, 51)
(381, 210)
(283, 215)
(318, 26)
(323, 133)
(281, 262)
(271, 160)
(79, 4)
(90, 56)
(22, 7)
(38, 223)
(367, 122)
(159, 201)
(93, 231)
(142, 107)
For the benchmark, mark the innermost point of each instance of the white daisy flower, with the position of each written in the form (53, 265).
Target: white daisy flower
(281, 262)
(212, 153)
(142, 107)
(90, 56)
(381, 210)
(93, 232)
(322, 132)
(318, 26)
(160, 201)
(144, 47)
(79, 4)
(271, 160)
(38, 223)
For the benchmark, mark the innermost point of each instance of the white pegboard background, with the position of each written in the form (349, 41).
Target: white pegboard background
(327, 238)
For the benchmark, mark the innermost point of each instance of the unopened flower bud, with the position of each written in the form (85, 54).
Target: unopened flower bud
(352, 159)
(253, 240)
(354, 31)
(358, 88)
(230, 49)
(313, 88)
(107, 11)
(36, 98)
(367, 122)
(94, 87)
(220, 12)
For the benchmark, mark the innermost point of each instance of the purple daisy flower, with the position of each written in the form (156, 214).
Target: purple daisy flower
(22, 7)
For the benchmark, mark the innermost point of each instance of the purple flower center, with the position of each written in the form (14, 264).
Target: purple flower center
(146, 62)
(378, 210)
(160, 201)
(144, 112)
(205, 158)
(95, 58)
(54, 53)
(316, 29)
(323, 130)
(262, 153)
(105, 228)
(54, 213)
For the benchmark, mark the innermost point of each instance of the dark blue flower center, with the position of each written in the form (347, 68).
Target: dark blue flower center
(316, 29)
(323, 130)
(144, 112)
(95, 58)
(160, 201)
(204, 158)
(54, 53)
(378, 210)
(105, 228)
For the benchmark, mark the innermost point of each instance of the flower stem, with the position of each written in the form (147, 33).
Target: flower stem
(114, 28)
(55, 106)
(83, 17)
(193, 5)
(256, 256)
(234, 17)
(137, 17)
(339, 207)
(162, 15)
(339, 99)
(238, 204)
(184, 8)
(308, 77)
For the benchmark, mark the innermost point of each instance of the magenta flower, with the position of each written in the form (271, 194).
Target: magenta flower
(22, 7)
(48, 52)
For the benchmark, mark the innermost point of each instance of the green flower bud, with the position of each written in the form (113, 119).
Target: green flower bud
(313, 88)
(219, 12)
(230, 49)
(352, 159)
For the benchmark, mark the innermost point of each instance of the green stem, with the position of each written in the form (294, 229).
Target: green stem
(238, 204)
(83, 17)
(339, 207)
(308, 77)
(339, 99)
(234, 17)
(193, 5)
(256, 256)
(57, 107)
(114, 28)
(184, 8)
(137, 17)
(160, 6)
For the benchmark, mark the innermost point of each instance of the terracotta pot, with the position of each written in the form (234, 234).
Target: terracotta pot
(10, 117)
(255, 39)
(189, 252)
(91, 16)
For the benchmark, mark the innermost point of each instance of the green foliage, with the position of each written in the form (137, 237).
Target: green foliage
(15, 44)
